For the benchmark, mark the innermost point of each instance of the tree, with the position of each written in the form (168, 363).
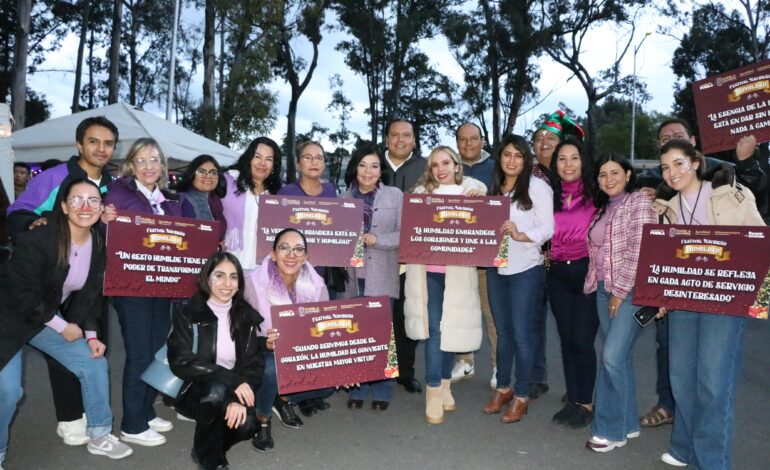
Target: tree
(383, 44)
(19, 85)
(342, 135)
(713, 45)
(496, 45)
(114, 58)
(571, 22)
(208, 109)
(613, 121)
(305, 18)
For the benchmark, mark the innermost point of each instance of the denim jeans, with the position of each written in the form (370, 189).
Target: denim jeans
(705, 353)
(615, 410)
(438, 363)
(382, 390)
(76, 357)
(663, 384)
(268, 389)
(539, 366)
(145, 324)
(577, 322)
(513, 299)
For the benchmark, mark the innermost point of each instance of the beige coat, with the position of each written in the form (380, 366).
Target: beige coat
(729, 204)
(461, 316)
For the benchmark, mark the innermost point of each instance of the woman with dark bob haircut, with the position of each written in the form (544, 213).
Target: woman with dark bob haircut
(614, 239)
(203, 184)
(257, 172)
(215, 349)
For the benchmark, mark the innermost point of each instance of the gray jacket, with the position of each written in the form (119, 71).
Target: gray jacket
(381, 260)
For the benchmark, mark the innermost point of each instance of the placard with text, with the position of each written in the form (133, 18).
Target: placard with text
(705, 268)
(454, 230)
(156, 255)
(333, 227)
(733, 104)
(329, 344)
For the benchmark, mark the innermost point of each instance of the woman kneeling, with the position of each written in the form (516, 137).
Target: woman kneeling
(222, 365)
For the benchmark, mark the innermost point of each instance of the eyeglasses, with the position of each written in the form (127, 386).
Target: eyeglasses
(204, 173)
(298, 251)
(147, 162)
(312, 158)
(664, 139)
(78, 202)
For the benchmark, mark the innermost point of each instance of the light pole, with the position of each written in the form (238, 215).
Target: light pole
(633, 99)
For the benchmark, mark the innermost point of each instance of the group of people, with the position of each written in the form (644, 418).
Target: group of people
(573, 231)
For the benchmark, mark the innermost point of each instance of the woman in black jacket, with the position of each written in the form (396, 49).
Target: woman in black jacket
(52, 298)
(214, 348)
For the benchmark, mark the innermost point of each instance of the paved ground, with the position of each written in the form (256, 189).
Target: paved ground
(401, 439)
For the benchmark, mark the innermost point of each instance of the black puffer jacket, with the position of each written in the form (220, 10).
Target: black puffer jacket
(202, 365)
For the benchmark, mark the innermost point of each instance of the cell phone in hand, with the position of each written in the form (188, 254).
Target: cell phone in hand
(644, 315)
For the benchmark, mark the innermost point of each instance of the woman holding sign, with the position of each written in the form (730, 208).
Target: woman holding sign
(442, 303)
(215, 349)
(514, 290)
(257, 172)
(704, 349)
(52, 297)
(144, 321)
(382, 227)
(613, 246)
(285, 277)
(311, 164)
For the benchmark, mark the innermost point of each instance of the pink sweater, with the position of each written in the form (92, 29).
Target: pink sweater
(571, 224)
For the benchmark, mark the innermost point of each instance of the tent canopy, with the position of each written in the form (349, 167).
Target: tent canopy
(55, 138)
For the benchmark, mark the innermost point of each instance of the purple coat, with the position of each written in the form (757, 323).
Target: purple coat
(124, 194)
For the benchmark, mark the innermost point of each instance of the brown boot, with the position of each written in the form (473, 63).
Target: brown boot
(434, 407)
(516, 410)
(447, 400)
(498, 401)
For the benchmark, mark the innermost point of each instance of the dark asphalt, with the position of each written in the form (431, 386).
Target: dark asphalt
(400, 438)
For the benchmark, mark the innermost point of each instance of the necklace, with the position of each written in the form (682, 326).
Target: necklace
(687, 206)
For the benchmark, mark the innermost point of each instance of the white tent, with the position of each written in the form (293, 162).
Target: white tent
(55, 138)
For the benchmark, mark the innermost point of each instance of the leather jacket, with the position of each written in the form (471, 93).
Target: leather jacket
(202, 365)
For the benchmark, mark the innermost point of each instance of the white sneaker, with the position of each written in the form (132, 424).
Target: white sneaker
(600, 444)
(147, 438)
(159, 424)
(182, 417)
(633, 435)
(462, 370)
(109, 446)
(671, 460)
(493, 380)
(73, 433)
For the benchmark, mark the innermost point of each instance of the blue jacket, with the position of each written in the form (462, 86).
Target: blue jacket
(124, 194)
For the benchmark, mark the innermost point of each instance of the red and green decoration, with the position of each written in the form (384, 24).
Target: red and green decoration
(759, 309)
(562, 125)
(357, 261)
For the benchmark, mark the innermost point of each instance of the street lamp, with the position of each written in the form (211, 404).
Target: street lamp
(633, 99)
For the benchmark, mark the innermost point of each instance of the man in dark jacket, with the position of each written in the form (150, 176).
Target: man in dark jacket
(96, 138)
(404, 167)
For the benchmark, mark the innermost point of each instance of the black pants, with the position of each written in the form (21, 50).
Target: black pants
(577, 321)
(405, 347)
(206, 401)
